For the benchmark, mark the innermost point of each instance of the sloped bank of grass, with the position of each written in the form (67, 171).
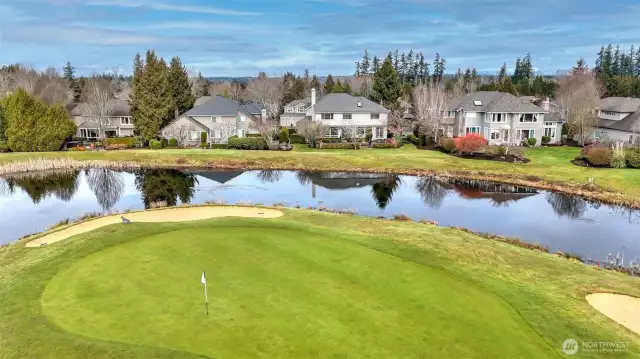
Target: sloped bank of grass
(550, 168)
(307, 284)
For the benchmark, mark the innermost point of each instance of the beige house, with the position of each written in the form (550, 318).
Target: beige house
(218, 117)
(618, 119)
(118, 124)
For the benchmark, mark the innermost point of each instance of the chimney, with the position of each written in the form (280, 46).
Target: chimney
(546, 105)
(313, 97)
(263, 115)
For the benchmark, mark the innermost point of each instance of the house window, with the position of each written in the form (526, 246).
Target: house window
(450, 114)
(609, 113)
(289, 109)
(597, 134)
(89, 132)
(216, 134)
(110, 133)
(334, 132)
(486, 132)
(550, 132)
(361, 131)
(217, 119)
(379, 132)
(327, 116)
(375, 116)
(105, 121)
(242, 118)
(495, 134)
(499, 117)
(346, 116)
(301, 108)
(194, 136)
(528, 117)
(125, 120)
(524, 134)
(472, 129)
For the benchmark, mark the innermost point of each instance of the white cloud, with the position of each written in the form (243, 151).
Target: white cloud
(157, 5)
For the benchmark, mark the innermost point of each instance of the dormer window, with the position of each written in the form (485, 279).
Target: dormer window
(477, 103)
(301, 107)
(359, 104)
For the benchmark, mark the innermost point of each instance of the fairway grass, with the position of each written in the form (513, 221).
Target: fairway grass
(304, 285)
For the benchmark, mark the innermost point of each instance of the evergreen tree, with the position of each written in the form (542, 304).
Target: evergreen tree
(314, 84)
(580, 67)
(467, 78)
(181, 91)
(409, 75)
(423, 68)
(357, 73)
(337, 87)
(3, 125)
(306, 76)
(365, 64)
(346, 87)
(375, 64)
(527, 68)
(151, 96)
(615, 65)
(636, 64)
(517, 72)
(387, 86)
(200, 86)
(74, 86)
(598, 67)
(438, 68)
(329, 84)
(607, 61)
(402, 67)
(502, 75)
(396, 58)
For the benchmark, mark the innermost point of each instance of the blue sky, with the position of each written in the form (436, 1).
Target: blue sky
(242, 37)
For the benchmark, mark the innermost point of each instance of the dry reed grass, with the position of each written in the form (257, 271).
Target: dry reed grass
(43, 164)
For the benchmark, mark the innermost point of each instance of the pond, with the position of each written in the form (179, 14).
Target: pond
(35, 202)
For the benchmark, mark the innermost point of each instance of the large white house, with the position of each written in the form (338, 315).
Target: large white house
(619, 119)
(501, 118)
(340, 112)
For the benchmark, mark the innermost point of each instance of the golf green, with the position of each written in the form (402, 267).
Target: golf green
(281, 290)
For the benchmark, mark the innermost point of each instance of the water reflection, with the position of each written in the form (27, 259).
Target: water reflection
(107, 185)
(164, 187)
(39, 186)
(383, 191)
(565, 205)
(269, 176)
(432, 191)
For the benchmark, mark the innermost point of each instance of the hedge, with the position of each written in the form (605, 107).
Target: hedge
(384, 145)
(632, 156)
(219, 146)
(284, 135)
(128, 141)
(247, 143)
(339, 146)
(173, 142)
(155, 144)
(116, 146)
(296, 138)
(330, 140)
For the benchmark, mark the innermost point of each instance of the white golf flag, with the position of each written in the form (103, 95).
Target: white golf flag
(203, 280)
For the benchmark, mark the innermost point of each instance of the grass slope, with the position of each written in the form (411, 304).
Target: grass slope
(551, 164)
(306, 285)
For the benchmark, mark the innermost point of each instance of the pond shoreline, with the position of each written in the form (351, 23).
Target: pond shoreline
(589, 191)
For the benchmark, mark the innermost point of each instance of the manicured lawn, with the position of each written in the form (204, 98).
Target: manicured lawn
(306, 285)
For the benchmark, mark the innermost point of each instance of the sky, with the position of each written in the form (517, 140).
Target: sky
(243, 37)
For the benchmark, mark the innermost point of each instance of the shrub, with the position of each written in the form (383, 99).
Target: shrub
(384, 145)
(296, 138)
(117, 146)
(218, 145)
(546, 139)
(502, 150)
(402, 217)
(422, 140)
(98, 144)
(632, 156)
(369, 135)
(531, 141)
(330, 140)
(292, 131)
(247, 143)
(448, 144)
(204, 145)
(3, 146)
(155, 144)
(491, 150)
(470, 143)
(284, 135)
(337, 146)
(599, 156)
(138, 141)
(203, 137)
(413, 139)
(618, 159)
(128, 141)
(78, 148)
(164, 142)
(173, 142)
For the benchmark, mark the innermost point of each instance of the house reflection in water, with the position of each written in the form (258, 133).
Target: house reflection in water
(499, 194)
(382, 185)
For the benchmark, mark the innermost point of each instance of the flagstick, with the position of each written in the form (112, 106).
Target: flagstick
(206, 298)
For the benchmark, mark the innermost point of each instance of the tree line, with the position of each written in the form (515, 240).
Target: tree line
(618, 71)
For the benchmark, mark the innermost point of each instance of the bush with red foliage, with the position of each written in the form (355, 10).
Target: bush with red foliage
(470, 143)
(599, 156)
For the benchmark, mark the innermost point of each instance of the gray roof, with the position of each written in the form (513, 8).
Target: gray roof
(342, 102)
(493, 101)
(202, 100)
(251, 107)
(306, 101)
(220, 106)
(630, 123)
(619, 104)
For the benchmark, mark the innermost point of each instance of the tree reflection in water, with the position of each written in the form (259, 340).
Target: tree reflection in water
(38, 186)
(432, 191)
(165, 186)
(269, 176)
(107, 185)
(565, 205)
(383, 191)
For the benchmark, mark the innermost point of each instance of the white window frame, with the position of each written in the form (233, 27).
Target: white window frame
(361, 129)
(290, 110)
(379, 132)
(550, 132)
(326, 116)
(375, 116)
(86, 133)
(532, 133)
(126, 120)
(301, 108)
(498, 117)
(105, 121)
(523, 116)
(347, 116)
(195, 137)
(497, 133)
(216, 119)
(331, 130)
(486, 132)
(597, 134)
(468, 130)
(609, 113)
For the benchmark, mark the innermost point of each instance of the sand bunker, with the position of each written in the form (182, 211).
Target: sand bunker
(621, 308)
(180, 214)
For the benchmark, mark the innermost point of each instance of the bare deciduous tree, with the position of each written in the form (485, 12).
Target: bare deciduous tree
(226, 130)
(180, 133)
(236, 91)
(107, 185)
(268, 93)
(312, 131)
(349, 132)
(578, 96)
(268, 131)
(98, 102)
(396, 121)
(430, 103)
